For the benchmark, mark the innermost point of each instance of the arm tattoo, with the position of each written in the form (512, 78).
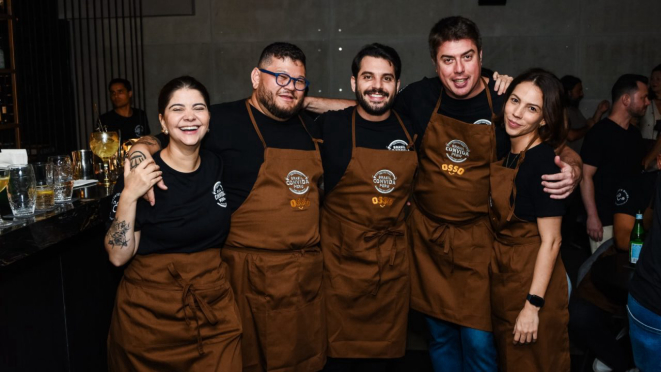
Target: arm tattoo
(136, 158)
(117, 234)
(149, 141)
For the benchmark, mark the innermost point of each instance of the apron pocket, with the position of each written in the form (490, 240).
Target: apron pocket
(508, 295)
(287, 308)
(358, 261)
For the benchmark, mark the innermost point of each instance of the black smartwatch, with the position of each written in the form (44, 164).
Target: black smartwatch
(535, 300)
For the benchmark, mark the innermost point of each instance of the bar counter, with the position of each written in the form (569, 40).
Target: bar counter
(57, 287)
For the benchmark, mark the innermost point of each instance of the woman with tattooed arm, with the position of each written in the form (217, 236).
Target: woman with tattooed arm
(174, 309)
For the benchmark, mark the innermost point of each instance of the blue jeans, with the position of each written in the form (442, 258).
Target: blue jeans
(455, 348)
(645, 333)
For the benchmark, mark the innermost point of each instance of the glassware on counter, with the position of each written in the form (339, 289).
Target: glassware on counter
(43, 173)
(105, 145)
(21, 190)
(62, 178)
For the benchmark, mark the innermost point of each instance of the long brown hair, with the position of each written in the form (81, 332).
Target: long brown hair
(554, 132)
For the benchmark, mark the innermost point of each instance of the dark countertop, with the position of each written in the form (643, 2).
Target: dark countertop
(89, 208)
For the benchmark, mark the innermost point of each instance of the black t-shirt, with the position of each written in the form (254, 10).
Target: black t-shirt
(417, 101)
(617, 153)
(233, 138)
(645, 286)
(190, 216)
(335, 129)
(635, 194)
(531, 200)
(132, 127)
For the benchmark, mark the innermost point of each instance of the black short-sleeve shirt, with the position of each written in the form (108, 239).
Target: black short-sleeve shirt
(190, 216)
(617, 153)
(645, 286)
(418, 100)
(336, 151)
(233, 137)
(531, 200)
(635, 193)
(133, 126)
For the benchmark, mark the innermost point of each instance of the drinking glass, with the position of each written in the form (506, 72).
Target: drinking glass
(43, 173)
(105, 145)
(4, 179)
(21, 190)
(62, 178)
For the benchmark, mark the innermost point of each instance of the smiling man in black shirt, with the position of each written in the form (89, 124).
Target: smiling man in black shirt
(368, 170)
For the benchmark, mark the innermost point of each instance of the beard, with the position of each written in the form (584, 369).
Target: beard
(267, 99)
(371, 108)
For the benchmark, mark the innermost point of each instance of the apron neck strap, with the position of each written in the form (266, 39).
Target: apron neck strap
(254, 123)
(406, 132)
(353, 128)
(259, 133)
(516, 171)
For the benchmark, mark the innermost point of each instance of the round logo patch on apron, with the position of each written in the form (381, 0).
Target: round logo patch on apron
(457, 151)
(384, 181)
(298, 182)
(398, 145)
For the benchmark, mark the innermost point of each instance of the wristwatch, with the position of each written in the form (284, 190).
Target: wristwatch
(535, 300)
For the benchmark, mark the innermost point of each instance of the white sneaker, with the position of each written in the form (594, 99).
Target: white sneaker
(599, 366)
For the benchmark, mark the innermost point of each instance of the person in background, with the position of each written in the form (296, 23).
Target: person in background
(611, 152)
(577, 123)
(175, 309)
(650, 124)
(131, 121)
(529, 286)
(597, 307)
(644, 302)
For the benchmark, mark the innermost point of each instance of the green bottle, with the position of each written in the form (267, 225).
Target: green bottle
(637, 239)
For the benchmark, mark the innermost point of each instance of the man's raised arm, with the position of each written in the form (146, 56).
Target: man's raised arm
(561, 185)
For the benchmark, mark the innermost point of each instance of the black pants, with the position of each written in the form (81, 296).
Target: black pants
(594, 329)
(355, 365)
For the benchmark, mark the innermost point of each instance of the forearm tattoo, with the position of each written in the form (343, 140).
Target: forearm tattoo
(117, 234)
(149, 141)
(136, 158)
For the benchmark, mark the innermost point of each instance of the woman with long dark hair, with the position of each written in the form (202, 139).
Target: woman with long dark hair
(175, 309)
(529, 294)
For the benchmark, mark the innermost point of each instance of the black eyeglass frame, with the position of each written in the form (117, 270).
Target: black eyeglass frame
(277, 74)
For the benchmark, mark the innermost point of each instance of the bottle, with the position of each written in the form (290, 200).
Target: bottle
(637, 239)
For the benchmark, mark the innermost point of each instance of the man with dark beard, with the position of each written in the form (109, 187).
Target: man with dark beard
(368, 171)
(272, 167)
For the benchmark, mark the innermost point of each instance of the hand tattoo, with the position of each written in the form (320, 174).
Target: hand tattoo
(117, 234)
(136, 158)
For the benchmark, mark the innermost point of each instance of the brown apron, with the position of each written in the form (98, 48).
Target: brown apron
(366, 281)
(276, 265)
(449, 229)
(175, 312)
(512, 265)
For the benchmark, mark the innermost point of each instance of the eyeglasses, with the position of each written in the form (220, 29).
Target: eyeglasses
(283, 80)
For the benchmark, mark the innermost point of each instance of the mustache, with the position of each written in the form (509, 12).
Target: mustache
(376, 91)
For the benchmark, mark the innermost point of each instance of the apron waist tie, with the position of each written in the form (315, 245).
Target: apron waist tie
(443, 235)
(189, 299)
(381, 236)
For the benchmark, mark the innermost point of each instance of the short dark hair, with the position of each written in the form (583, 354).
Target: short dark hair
(626, 84)
(553, 104)
(452, 29)
(174, 85)
(378, 51)
(281, 50)
(126, 83)
(569, 82)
